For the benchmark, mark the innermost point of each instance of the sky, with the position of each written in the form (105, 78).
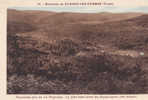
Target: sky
(86, 9)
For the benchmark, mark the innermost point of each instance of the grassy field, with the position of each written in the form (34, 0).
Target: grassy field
(77, 53)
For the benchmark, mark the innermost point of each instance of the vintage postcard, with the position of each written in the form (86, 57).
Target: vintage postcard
(76, 49)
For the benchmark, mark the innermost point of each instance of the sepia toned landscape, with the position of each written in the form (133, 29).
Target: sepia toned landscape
(77, 53)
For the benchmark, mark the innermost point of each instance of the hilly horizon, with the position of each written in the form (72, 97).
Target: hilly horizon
(77, 53)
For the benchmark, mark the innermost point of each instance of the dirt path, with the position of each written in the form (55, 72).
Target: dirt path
(115, 51)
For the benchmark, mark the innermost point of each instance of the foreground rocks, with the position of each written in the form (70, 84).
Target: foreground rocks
(66, 66)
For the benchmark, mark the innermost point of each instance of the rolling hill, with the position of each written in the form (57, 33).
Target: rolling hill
(77, 53)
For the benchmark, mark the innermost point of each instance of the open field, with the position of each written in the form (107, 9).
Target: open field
(77, 53)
